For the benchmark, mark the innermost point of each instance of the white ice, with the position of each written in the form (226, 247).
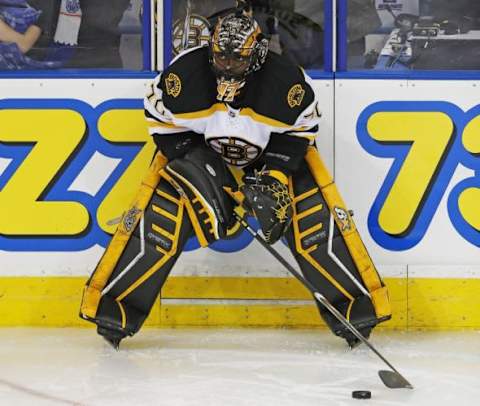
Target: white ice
(231, 367)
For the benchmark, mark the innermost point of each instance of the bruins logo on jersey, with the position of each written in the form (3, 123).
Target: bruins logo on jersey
(173, 84)
(295, 96)
(235, 151)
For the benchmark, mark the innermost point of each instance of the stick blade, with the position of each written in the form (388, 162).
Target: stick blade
(394, 380)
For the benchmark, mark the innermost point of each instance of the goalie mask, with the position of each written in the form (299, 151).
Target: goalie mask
(237, 48)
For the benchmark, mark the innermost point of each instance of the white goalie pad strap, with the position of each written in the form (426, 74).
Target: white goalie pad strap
(134, 260)
(340, 263)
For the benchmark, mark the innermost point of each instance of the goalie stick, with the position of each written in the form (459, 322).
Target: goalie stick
(392, 379)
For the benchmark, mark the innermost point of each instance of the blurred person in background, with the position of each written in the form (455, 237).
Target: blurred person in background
(98, 40)
(73, 33)
(21, 25)
(18, 24)
(362, 19)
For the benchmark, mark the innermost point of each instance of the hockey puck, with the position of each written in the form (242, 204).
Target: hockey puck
(361, 394)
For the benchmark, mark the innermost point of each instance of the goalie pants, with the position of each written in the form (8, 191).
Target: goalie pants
(323, 238)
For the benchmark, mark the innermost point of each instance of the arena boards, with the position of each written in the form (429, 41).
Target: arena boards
(72, 192)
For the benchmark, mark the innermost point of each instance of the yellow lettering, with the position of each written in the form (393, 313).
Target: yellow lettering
(429, 134)
(469, 199)
(56, 134)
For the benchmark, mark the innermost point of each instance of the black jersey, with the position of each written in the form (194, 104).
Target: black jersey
(278, 98)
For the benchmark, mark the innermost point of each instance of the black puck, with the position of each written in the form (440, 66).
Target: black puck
(361, 394)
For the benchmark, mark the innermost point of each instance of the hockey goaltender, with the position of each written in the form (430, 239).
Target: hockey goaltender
(235, 125)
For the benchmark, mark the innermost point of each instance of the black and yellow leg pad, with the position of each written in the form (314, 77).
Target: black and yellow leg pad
(122, 289)
(330, 252)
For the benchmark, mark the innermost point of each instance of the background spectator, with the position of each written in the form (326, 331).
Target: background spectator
(21, 24)
(65, 33)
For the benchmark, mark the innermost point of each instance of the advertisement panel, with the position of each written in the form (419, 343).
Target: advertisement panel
(404, 155)
(407, 160)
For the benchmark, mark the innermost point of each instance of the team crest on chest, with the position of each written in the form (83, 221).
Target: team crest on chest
(295, 96)
(235, 151)
(173, 84)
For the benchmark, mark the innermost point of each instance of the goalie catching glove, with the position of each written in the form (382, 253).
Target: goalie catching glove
(267, 197)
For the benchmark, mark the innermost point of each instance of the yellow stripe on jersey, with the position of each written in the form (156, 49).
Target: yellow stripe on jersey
(202, 113)
(262, 119)
(156, 124)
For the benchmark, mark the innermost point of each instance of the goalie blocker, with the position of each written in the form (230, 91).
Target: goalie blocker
(192, 196)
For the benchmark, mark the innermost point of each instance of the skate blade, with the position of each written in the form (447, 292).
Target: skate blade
(113, 342)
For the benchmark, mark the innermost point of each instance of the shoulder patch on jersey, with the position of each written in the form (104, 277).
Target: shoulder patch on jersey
(189, 84)
(295, 95)
(279, 90)
(173, 84)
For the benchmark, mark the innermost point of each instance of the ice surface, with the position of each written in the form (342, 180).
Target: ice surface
(233, 367)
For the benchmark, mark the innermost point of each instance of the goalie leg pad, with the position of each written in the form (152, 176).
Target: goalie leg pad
(328, 249)
(200, 177)
(122, 289)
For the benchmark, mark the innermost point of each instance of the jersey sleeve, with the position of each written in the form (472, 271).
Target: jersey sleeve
(286, 149)
(159, 118)
(171, 139)
(306, 125)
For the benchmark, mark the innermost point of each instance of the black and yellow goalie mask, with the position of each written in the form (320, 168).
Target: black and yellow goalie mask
(237, 48)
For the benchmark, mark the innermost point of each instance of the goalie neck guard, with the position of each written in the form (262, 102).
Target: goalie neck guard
(237, 48)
